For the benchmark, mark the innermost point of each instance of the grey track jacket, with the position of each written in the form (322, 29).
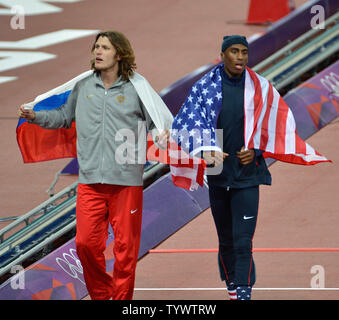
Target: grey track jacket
(111, 130)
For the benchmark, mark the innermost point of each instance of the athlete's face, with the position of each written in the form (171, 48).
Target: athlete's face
(105, 55)
(235, 58)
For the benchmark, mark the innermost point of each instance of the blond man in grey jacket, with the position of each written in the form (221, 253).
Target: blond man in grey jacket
(111, 123)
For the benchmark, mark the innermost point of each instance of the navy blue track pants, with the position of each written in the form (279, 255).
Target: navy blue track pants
(235, 214)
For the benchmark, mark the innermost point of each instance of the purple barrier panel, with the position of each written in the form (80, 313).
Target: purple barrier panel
(315, 102)
(59, 276)
(71, 168)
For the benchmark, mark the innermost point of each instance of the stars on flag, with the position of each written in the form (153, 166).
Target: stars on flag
(205, 91)
(218, 95)
(196, 120)
(209, 101)
(198, 123)
(203, 81)
(184, 126)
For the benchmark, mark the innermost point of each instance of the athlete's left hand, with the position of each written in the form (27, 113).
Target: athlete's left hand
(162, 139)
(246, 156)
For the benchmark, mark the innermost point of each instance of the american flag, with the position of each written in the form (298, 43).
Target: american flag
(194, 127)
(269, 123)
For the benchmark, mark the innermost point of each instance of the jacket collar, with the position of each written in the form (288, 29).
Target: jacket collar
(98, 81)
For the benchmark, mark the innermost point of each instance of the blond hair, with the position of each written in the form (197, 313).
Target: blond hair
(124, 50)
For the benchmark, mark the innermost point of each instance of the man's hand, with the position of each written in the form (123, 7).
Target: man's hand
(28, 114)
(246, 157)
(214, 158)
(162, 139)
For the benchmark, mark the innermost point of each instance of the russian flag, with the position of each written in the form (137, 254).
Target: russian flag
(38, 144)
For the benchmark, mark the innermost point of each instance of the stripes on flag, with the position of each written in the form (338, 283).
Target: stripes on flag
(187, 171)
(270, 124)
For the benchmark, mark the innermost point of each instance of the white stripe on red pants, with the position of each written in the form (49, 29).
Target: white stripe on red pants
(97, 206)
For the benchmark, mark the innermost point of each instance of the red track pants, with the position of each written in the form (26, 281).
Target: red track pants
(121, 206)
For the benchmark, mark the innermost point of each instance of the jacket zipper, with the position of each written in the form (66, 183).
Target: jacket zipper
(103, 138)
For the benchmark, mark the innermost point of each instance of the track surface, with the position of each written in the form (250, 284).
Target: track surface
(171, 38)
